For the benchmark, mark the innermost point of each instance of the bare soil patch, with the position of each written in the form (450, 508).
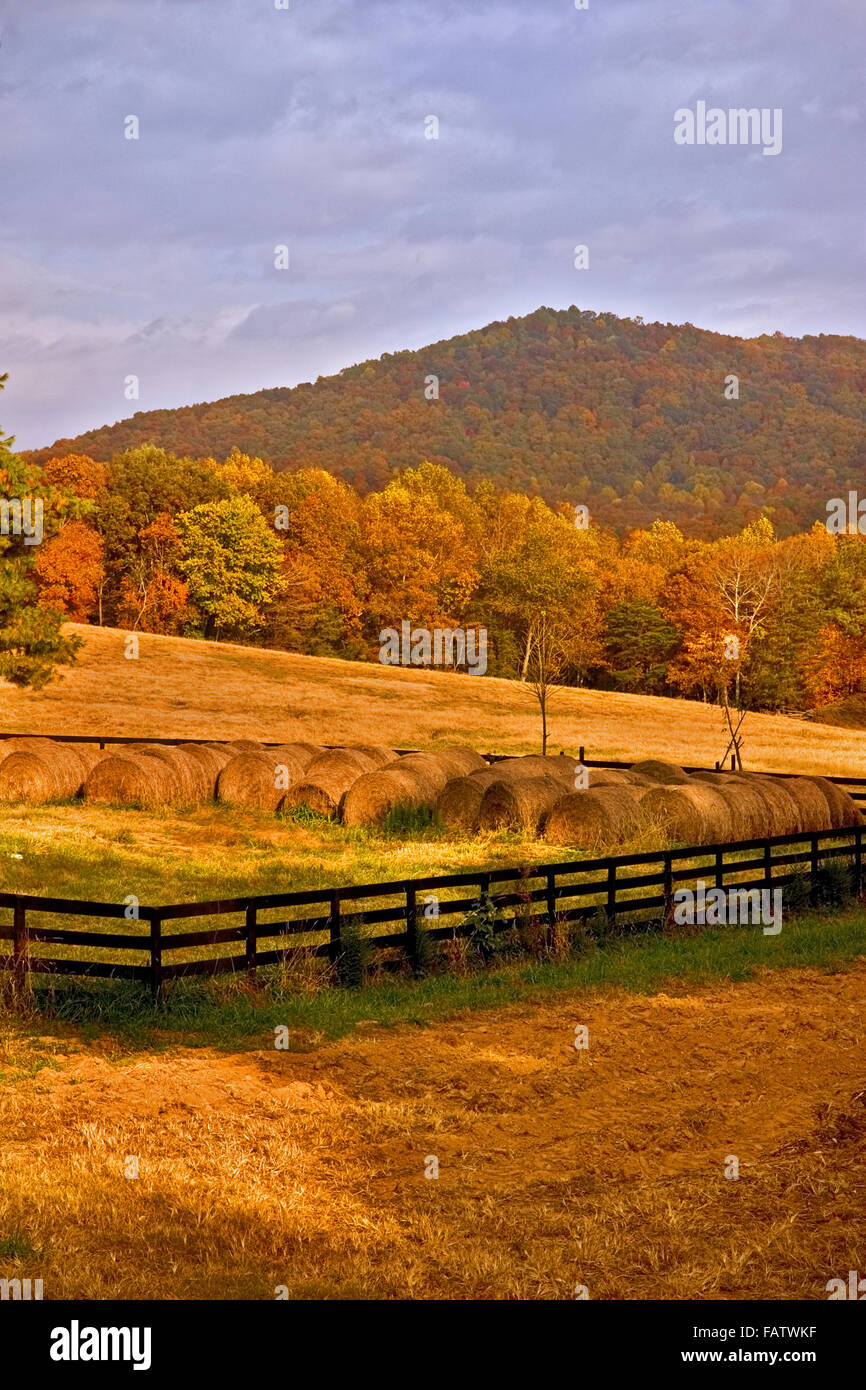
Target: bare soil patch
(557, 1167)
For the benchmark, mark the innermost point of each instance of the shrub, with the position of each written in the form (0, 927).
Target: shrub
(356, 956)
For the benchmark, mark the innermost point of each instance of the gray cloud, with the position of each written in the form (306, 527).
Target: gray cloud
(305, 127)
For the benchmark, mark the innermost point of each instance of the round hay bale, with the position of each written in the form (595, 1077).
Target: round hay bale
(599, 816)
(844, 811)
(784, 816)
(668, 774)
(616, 777)
(89, 753)
(519, 803)
(811, 802)
(374, 794)
(459, 803)
(211, 762)
(259, 779)
(746, 807)
(439, 767)
(455, 760)
(377, 752)
(327, 780)
(131, 778)
(8, 746)
(692, 814)
(52, 773)
(222, 750)
(190, 777)
(560, 766)
(303, 753)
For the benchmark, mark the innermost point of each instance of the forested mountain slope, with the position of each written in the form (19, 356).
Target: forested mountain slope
(629, 418)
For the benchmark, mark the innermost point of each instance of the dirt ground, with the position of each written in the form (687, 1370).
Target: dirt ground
(558, 1168)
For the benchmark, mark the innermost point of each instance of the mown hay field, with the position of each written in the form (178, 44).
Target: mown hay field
(304, 1170)
(179, 688)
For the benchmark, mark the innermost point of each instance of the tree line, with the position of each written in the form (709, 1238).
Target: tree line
(301, 561)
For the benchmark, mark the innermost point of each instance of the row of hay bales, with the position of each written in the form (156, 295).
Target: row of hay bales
(38, 769)
(362, 783)
(242, 773)
(538, 796)
(245, 774)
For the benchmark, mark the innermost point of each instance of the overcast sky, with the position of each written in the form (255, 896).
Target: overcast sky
(306, 127)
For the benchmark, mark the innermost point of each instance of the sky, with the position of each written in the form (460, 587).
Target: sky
(308, 127)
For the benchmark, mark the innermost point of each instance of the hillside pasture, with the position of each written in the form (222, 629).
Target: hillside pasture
(182, 688)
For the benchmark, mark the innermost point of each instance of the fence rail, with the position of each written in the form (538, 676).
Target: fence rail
(533, 896)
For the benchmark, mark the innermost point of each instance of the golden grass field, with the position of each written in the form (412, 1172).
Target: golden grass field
(305, 1169)
(557, 1168)
(179, 688)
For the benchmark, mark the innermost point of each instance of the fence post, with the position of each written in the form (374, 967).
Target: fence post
(156, 958)
(858, 861)
(814, 869)
(581, 753)
(412, 929)
(335, 926)
(768, 865)
(668, 888)
(611, 894)
(251, 925)
(551, 900)
(19, 951)
(720, 868)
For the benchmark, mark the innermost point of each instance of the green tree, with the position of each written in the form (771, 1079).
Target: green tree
(32, 643)
(142, 485)
(639, 642)
(231, 563)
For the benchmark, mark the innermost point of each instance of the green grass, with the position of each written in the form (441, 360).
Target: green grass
(219, 851)
(16, 1246)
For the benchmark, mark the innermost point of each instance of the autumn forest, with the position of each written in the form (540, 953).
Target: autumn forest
(646, 501)
(299, 560)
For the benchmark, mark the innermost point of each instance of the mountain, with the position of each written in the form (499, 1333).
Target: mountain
(629, 418)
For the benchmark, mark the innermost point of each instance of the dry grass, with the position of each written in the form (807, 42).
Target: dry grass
(185, 689)
(556, 1167)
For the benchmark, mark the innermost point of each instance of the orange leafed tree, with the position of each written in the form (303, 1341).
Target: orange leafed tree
(836, 668)
(153, 598)
(76, 474)
(69, 571)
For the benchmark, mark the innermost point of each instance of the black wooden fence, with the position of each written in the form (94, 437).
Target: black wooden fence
(538, 896)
